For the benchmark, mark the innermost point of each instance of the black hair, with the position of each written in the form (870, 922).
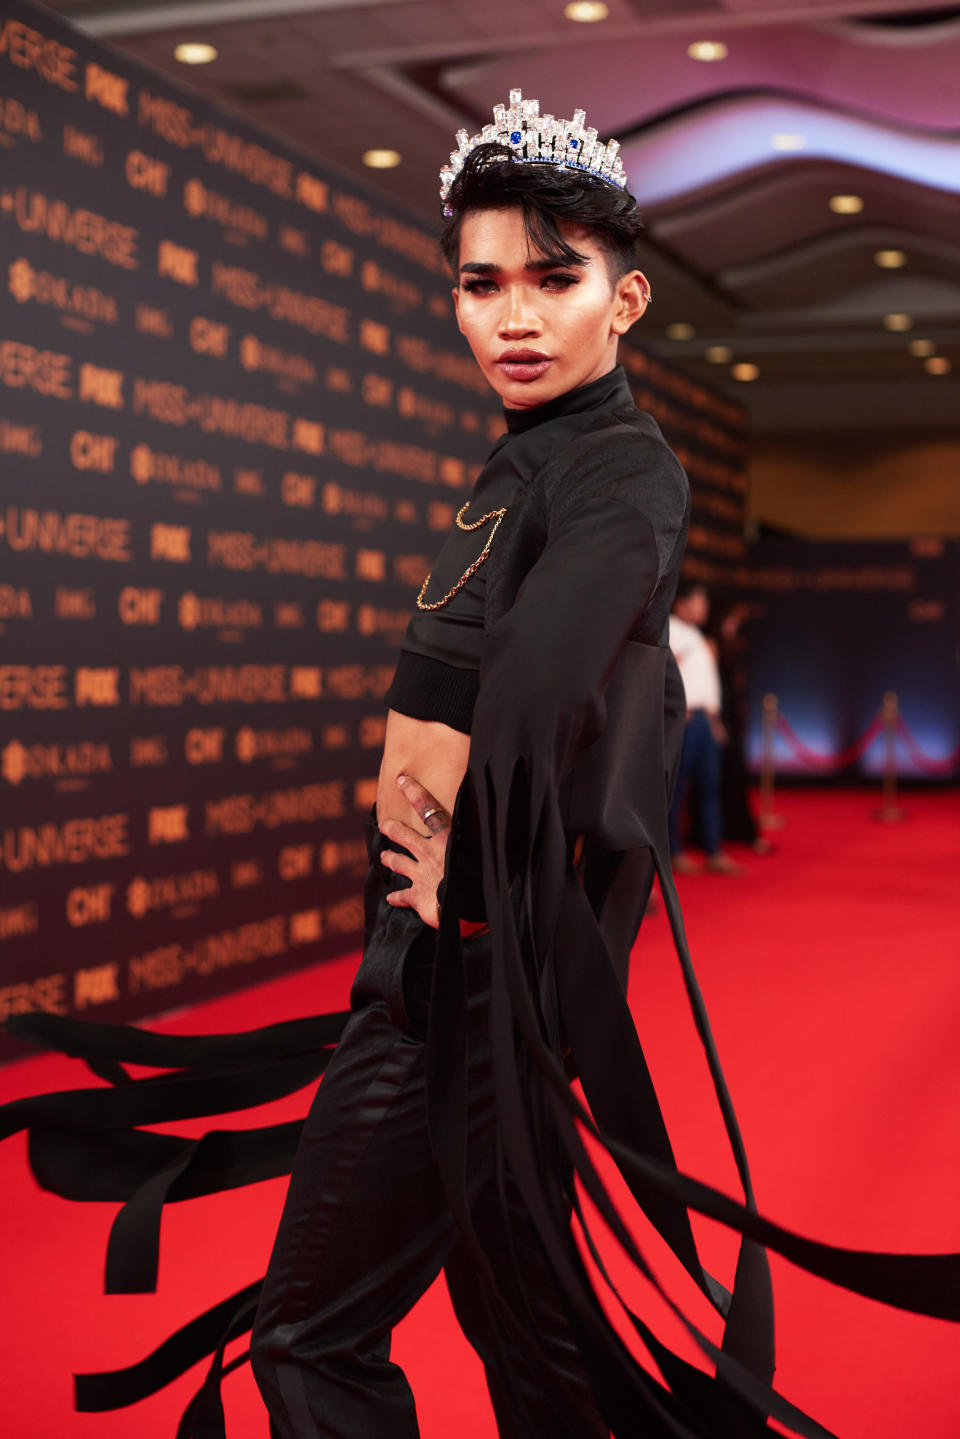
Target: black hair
(687, 586)
(547, 194)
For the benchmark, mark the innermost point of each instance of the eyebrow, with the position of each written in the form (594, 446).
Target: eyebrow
(480, 267)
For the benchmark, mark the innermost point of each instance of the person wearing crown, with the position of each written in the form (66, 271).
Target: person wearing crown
(553, 590)
(534, 727)
(535, 721)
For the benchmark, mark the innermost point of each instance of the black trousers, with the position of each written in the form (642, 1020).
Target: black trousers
(366, 1227)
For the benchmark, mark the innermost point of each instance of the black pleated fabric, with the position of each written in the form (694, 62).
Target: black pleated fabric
(568, 743)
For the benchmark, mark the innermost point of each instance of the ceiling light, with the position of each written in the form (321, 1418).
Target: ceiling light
(745, 372)
(719, 354)
(921, 348)
(898, 322)
(707, 50)
(787, 140)
(382, 159)
(846, 204)
(937, 365)
(889, 259)
(587, 11)
(680, 331)
(192, 52)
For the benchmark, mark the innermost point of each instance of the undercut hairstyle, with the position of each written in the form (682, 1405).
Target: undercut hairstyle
(491, 179)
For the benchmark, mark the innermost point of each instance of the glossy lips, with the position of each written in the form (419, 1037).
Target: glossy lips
(523, 365)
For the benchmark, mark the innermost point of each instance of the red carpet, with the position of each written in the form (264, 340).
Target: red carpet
(830, 971)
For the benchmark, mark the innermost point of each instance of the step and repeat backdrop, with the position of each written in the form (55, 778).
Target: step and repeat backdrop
(235, 418)
(708, 433)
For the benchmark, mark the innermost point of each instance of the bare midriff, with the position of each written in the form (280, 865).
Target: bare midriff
(432, 753)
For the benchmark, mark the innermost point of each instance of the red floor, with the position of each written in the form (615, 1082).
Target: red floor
(830, 970)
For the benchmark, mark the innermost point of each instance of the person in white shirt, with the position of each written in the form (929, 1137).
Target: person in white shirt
(701, 761)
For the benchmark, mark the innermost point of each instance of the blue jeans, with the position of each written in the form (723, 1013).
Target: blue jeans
(700, 762)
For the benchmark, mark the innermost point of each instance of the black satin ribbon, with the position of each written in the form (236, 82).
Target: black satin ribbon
(547, 947)
(86, 1144)
(203, 1165)
(203, 1417)
(125, 1043)
(118, 1388)
(113, 1165)
(927, 1283)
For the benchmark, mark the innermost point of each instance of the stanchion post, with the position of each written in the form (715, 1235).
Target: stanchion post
(890, 811)
(768, 765)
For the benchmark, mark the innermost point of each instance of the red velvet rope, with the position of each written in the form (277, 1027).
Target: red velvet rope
(946, 765)
(829, 761)
(844, 757)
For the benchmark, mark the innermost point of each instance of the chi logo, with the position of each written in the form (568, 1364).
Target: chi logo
(14, 762)
(141, 464)
(21, 280)
(189, 611)
(138, 897)
(246, 745)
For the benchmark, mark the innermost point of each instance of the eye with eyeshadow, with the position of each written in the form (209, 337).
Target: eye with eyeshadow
(556, 282)
(559, 281)
(478, 287)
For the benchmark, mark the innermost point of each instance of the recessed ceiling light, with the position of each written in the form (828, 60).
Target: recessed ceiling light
(719, 354)
(845, 204)
(898, 322)
(787, 140)
(382, 159)
(707, 50)
(680, 331)
(937, 365)
(745, 372)
(192, 52)
(889, 259)
(921, 348)
(586, 11)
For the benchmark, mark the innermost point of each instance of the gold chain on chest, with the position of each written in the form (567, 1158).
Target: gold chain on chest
(496, 516)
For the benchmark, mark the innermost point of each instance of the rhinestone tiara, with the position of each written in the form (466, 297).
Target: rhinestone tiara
(537, 139)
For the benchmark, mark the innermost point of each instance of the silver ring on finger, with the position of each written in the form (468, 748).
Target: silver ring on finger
(428, 813)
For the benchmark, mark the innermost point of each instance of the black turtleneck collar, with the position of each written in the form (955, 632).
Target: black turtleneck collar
(610, 392)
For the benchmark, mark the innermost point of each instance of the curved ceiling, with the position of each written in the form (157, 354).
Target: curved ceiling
(902, 76)
(741, 243)
(720, 140)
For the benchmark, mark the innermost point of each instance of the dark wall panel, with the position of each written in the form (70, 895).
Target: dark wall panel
(235, 417)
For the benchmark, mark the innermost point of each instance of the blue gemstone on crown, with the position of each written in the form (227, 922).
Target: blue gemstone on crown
(542, 136)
